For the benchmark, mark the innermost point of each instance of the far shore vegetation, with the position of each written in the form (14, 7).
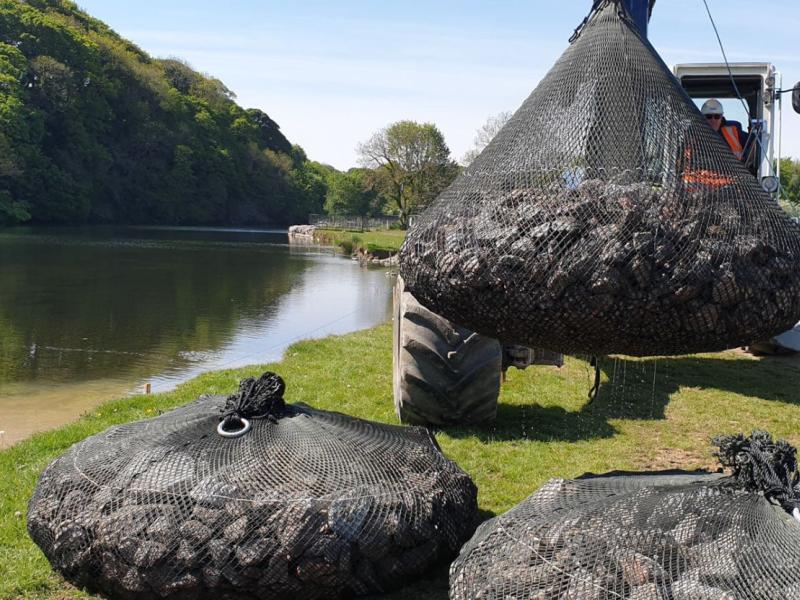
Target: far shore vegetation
(660, 415)
(93, 130)
(380, 244)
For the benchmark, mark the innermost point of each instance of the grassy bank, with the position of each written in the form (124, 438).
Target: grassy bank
(378, 243)
(650, 414)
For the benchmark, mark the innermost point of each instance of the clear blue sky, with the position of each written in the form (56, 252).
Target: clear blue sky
(332, 73)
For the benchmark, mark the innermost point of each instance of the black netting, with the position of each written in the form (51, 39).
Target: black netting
(639, 537)
(306, 504)
(608, 217)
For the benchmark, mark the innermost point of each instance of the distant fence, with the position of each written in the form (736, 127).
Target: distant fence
(351, 222)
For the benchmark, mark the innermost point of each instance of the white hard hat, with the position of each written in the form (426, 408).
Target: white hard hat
(712, 107)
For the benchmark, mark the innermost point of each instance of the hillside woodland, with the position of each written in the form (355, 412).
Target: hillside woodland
(93, 130)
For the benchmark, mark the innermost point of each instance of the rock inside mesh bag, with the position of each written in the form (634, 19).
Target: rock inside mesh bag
(305, 504)
(608, 217)
(646, 537)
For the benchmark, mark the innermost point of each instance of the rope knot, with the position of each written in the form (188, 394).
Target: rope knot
(255, 399)
(760, 464)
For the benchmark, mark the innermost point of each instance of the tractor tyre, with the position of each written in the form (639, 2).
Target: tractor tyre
(444, 374)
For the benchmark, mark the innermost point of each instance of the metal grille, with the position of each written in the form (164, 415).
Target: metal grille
(352, 222)
(608, 217)
(646, 537)
(307, 504)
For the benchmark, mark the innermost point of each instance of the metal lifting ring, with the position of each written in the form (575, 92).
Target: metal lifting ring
(246, 425)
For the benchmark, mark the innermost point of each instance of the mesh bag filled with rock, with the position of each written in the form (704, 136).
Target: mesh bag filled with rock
(608, 217)
(647, 537)
(250, 497)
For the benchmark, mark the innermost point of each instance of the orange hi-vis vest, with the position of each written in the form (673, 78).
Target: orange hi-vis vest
(731, 135)
(702, 177)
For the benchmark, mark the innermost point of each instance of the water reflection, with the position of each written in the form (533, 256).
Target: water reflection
(331, 296)
(87, 306)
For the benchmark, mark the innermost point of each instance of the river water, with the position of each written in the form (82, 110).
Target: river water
(88, 314)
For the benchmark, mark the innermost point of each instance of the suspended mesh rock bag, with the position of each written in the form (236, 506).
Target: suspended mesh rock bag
(647, 537)
(608, 217)
(306, 504)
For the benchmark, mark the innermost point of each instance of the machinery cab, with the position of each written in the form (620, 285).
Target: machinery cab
(758, 84)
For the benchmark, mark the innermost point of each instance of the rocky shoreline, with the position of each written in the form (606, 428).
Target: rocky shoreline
(301, 231)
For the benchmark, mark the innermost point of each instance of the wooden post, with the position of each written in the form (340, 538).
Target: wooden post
(147, 388)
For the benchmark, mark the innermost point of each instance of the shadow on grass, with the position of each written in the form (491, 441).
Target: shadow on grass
(640, 389)
(539, 423)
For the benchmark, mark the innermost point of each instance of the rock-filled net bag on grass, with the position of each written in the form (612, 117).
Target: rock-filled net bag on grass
(608, 217)
(249, 497)
(647, 536)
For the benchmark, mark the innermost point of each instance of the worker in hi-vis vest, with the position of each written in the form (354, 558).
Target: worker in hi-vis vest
(731, 131)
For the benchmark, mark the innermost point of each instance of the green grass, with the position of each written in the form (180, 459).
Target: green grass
(379, 243)
(650, 414)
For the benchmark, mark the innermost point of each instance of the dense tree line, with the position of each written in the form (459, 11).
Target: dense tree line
(790, 180)
(92, 129)
(355, 192)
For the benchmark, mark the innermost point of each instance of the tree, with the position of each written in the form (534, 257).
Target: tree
(269, 133)
(92, 129)
(309, 182)
(179, 74)
(351, 193)
(12, 212)
(790, 180)
(413, 163)
(484, 135)
(52, 78)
